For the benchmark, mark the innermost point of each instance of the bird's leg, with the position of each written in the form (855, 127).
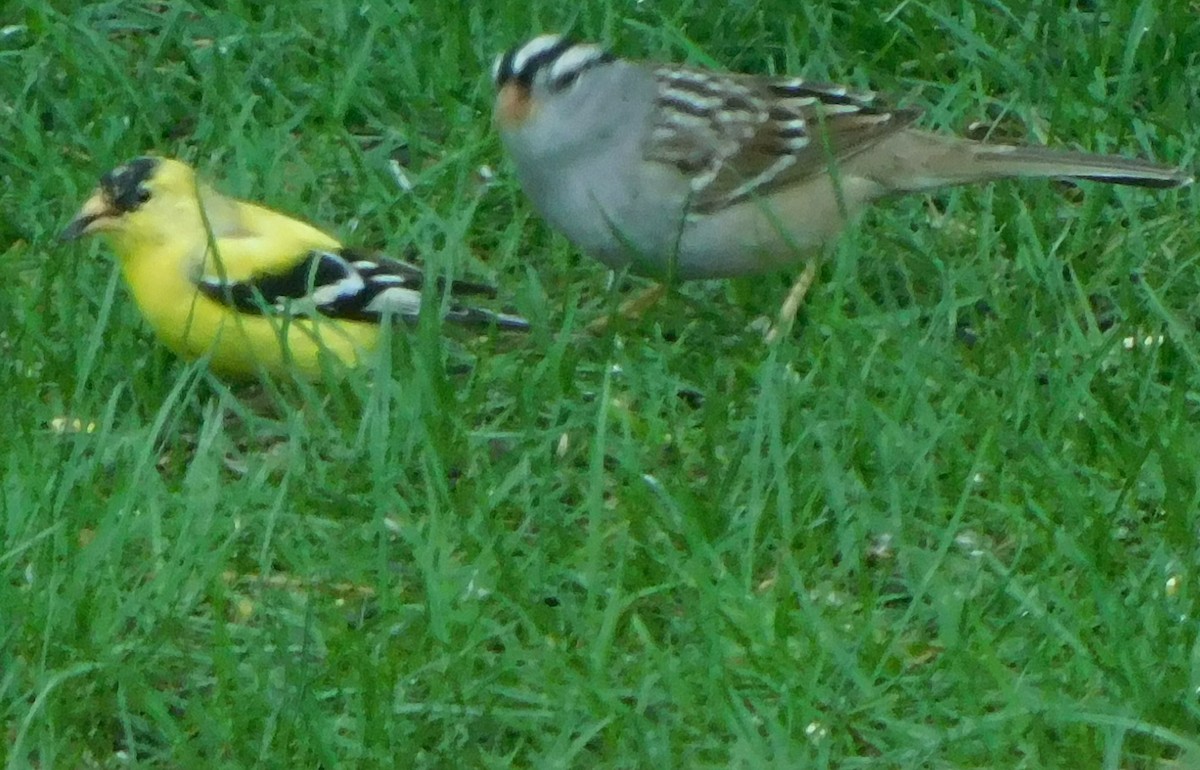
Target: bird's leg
(793, 301)
(633, 307)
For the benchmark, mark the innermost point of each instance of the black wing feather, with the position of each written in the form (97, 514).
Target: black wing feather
(346, 285)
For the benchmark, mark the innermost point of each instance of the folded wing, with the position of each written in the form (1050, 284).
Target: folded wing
(342, 284)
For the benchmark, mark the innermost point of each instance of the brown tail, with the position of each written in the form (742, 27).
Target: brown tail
(925, 161)
(1113, 169)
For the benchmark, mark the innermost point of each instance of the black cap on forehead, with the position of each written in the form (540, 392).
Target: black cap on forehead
(123, 185)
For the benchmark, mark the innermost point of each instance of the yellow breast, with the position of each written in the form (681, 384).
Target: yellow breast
(239, 344)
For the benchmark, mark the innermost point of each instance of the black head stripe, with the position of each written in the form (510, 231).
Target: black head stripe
(503, 72)
(124, 185)
(522, 65)
(534, 64)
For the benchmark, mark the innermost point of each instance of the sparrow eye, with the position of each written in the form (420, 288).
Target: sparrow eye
(563, 82)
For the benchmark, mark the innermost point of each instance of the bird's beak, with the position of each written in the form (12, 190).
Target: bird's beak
(91, 218)
(513, 105)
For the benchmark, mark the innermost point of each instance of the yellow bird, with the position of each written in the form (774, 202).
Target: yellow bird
(250, 288)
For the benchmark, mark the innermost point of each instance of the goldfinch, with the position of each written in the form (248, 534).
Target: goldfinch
(247, 287)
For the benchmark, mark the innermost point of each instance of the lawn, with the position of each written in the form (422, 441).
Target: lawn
(951, 521)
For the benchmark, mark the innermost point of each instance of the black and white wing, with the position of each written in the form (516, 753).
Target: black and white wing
(349, 285)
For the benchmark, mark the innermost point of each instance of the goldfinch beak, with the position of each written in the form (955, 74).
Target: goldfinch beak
(513, 105)
(93, 217)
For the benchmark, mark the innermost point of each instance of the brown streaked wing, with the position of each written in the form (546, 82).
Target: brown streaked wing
(742, 136)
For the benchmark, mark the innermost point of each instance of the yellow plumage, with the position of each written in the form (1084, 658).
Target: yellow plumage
(274, 294)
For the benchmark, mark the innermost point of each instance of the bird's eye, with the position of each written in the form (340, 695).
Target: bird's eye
(143, 195)
(564, 82)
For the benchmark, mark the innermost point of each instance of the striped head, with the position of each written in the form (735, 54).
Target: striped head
(558, 101)
(548, 68)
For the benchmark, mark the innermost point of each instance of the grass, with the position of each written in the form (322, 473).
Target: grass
(950, 522)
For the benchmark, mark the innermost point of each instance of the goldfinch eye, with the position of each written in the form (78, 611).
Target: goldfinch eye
(125, 185)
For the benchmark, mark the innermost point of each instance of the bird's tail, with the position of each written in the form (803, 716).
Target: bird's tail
(473, 316)
(926, 160)
(1042, 162)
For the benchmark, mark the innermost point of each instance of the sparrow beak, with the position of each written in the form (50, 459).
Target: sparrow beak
(513, 105)
(91, 218)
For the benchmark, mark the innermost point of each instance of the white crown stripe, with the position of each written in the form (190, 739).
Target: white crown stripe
(534, 48)
(574, 60)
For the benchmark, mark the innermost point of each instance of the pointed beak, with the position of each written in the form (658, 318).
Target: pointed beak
(89, 219)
